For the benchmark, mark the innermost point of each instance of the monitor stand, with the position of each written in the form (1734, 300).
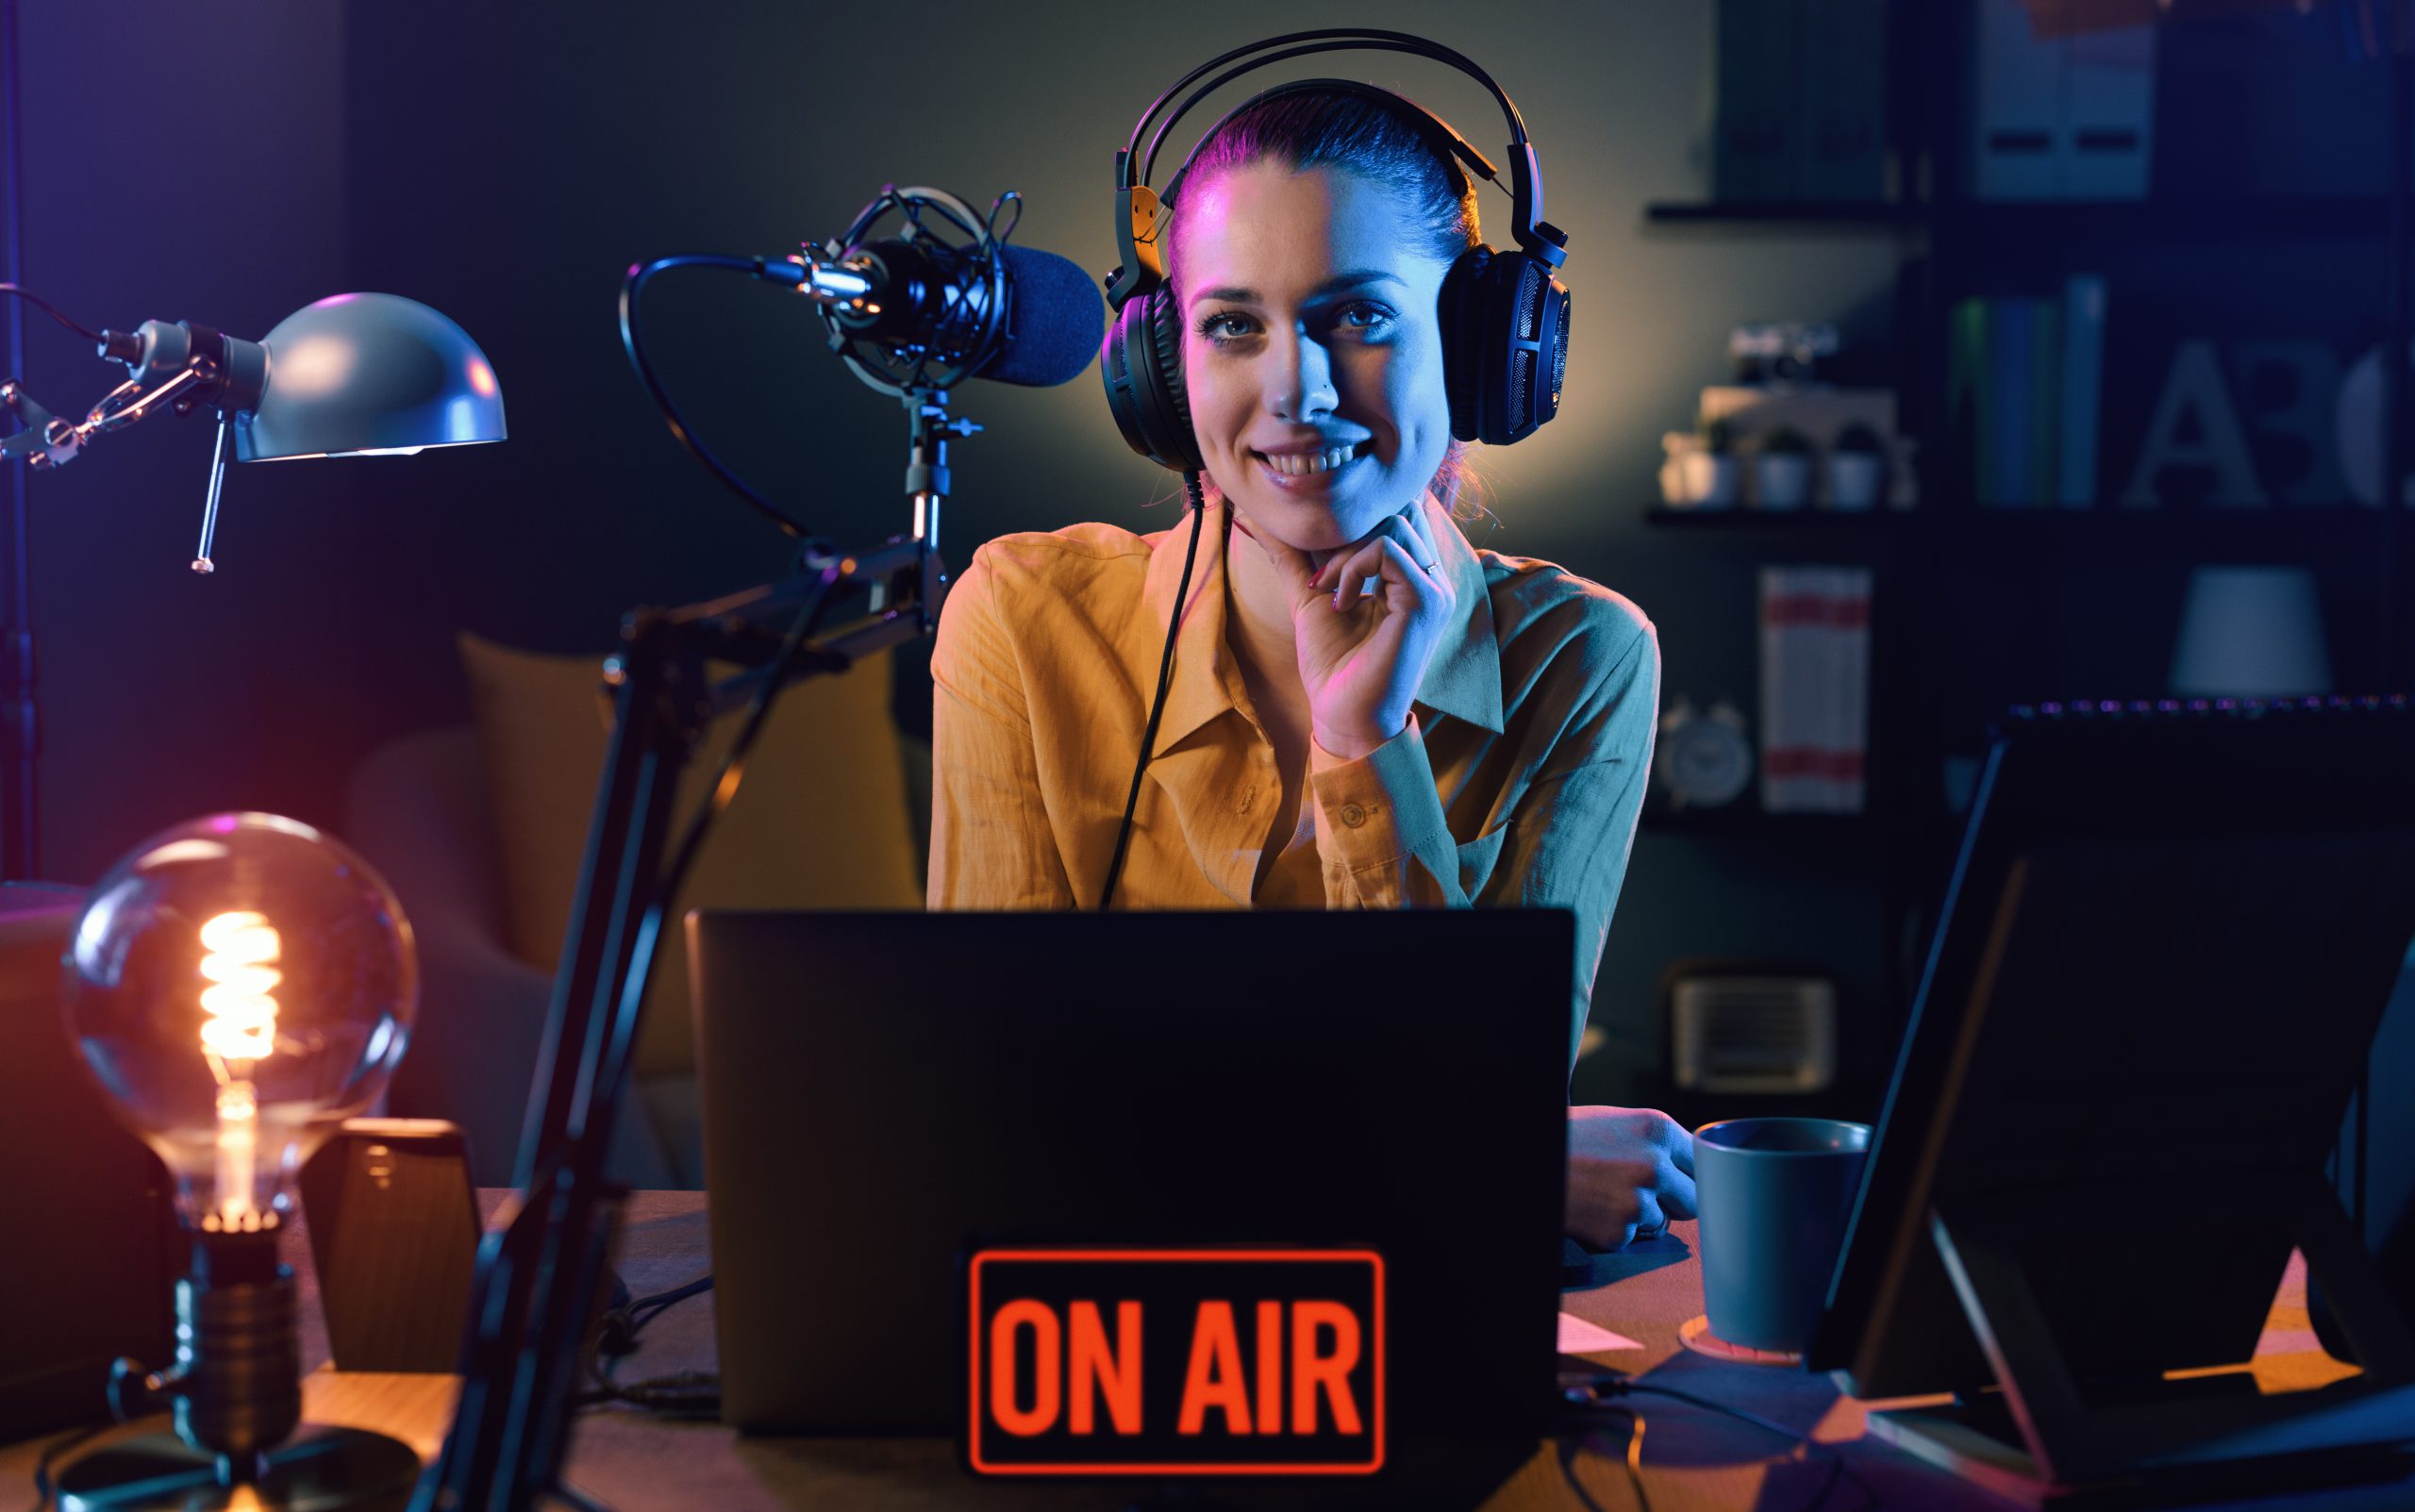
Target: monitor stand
(2035, 1439)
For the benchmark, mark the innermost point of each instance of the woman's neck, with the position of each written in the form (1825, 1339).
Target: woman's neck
(1261, 603)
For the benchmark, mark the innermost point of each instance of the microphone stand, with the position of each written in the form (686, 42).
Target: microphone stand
(539, 1272)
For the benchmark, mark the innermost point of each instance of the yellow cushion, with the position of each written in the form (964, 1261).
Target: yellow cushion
(821, 821)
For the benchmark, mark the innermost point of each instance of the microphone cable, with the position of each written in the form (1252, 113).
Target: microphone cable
(633, 342)
(1165, 680)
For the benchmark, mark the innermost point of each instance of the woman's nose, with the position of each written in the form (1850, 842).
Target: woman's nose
(1299, 380)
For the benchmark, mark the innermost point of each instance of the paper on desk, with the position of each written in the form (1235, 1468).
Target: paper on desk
(1578, 1337)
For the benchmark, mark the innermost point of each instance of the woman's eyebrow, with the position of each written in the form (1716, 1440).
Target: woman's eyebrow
(1339, 281)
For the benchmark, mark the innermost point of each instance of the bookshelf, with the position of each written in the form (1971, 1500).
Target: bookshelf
(1979, 608)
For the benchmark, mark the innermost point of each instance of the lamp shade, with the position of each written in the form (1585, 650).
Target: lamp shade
(366, 373)
(2251, 631)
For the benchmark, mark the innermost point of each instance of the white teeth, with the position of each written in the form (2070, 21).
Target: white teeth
(1296, 465)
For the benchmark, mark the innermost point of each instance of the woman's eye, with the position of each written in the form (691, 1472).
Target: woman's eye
(1363, 315)
(1224, 325)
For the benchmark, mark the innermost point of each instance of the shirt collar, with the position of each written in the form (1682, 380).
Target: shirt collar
(1463, 680)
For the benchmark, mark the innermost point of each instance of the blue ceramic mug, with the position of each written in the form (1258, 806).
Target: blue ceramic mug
(1772, 1195)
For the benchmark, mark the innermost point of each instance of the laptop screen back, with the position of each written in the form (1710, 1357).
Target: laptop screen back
(886, 1094)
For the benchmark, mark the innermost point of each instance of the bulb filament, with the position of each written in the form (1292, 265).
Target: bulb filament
(243, 1016)
(241, 1028)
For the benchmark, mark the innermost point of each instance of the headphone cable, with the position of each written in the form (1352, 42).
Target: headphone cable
(1165, 680)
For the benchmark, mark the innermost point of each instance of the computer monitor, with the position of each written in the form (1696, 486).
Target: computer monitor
(885, 1092)
(2169, 937)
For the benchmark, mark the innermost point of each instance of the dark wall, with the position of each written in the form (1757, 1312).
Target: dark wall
(189, 166)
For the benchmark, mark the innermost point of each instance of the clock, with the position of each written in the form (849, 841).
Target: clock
(1704, 758)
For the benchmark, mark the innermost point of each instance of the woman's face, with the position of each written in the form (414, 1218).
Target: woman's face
(1313, 349)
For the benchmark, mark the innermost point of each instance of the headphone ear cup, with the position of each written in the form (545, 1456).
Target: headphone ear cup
(1504, 354)
(1142, 365)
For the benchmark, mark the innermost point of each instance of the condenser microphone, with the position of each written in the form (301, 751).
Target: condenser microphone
(1034, 319)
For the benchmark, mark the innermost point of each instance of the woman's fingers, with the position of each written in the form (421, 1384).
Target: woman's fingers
(1648, 1219)
(1396, 527)
(1384, 558)
(1422, 546)
(1677, 1193)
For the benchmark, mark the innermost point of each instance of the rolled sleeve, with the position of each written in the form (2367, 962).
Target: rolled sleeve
(1380, 827)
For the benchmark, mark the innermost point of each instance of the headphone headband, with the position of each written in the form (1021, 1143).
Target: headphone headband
(1143, 262)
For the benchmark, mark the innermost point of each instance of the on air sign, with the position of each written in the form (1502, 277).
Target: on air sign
(1137, 1362)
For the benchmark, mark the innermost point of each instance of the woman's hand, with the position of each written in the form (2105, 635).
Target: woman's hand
(1361, 656)
(1628, 1169)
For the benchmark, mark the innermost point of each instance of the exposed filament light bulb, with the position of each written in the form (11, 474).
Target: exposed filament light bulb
(240, 948)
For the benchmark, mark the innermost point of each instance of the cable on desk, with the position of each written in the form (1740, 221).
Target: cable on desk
(58, 1449)
(1588, 1394)
(617, 1330)
(685, 1394)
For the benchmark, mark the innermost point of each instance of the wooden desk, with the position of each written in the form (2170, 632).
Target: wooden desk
(1692, 1459)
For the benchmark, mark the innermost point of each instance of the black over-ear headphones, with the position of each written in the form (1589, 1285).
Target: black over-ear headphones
(1503, 314)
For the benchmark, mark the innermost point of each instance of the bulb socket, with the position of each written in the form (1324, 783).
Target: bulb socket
(238, 1364)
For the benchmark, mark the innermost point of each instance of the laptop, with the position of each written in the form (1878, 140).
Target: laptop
(886, 1094)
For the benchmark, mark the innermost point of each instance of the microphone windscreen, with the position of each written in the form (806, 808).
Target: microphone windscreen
(1056, 319)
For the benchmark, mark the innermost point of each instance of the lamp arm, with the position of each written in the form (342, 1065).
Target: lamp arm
(48, 441)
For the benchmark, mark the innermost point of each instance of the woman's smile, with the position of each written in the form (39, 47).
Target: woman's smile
(1296, 472)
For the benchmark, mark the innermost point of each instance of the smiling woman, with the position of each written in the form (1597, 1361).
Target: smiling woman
(1354, 707)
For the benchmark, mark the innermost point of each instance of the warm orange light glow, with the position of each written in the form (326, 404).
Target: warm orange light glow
(241, 1029)
(481, 378)
(243, 1016)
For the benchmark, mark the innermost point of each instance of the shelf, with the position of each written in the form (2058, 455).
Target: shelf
(1877, 213)
(1739, 518)
(2334, 538)
(2198, 216)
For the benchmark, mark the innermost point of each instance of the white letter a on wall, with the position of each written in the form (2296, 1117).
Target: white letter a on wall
(2196, 426)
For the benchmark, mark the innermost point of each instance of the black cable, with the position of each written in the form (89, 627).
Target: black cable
(1837, 1465)
(633, 342)
(1165, 680)
(45, 1490)
(1613, 1384)
(617, 1331)
(53, 311)
(1569, 1445)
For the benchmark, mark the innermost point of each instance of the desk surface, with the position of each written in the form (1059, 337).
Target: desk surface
(1691, 1459)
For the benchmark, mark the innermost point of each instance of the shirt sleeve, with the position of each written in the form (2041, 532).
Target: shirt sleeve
(1386, 845)
(991, 846)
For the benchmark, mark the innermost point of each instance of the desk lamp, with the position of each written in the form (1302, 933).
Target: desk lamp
(353, 375)
(237, 986)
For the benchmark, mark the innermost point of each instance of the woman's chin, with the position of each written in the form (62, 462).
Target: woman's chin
(1310, 523)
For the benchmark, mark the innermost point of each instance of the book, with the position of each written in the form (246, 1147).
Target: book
(2108, 112)
(1843, 82)
(2045, 385)
(2006, 417)
(1757, 141)
(2083, 369)
(1966, 368)
(2017, 98)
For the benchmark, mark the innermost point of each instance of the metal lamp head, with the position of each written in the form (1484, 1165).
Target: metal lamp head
(360, 374)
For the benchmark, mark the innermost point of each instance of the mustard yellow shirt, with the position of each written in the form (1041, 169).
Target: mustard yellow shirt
(1516, 782)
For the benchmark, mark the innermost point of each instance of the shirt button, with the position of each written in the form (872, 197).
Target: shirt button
(1353, 815)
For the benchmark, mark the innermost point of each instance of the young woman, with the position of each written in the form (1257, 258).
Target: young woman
(1366, 711)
